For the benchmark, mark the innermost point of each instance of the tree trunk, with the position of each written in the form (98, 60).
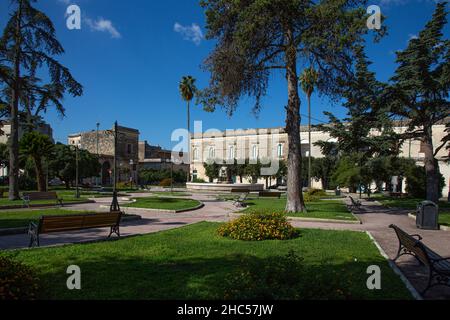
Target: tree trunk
(295, 201)
(40, 176)
(14, 137)
(431, 167)
(310, 143)
(189, 140)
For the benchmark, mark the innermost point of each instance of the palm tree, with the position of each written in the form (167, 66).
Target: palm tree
(188, 91)
(308, 81)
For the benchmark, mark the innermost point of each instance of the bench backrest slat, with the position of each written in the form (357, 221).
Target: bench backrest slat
(51, 224)
(240, 191)
(265, 194)
(41, 195)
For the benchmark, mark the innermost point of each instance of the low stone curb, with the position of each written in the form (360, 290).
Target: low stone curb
(34, 206)
(16, 231)
(443, 228)
(396, 269)
(237, 214)
(201, 205)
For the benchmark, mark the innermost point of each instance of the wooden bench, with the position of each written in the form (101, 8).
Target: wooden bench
(240, 201)
(27, 197)
(268, 194)
(355, 204)
(75, 222)
(240, 191)
(438, 267)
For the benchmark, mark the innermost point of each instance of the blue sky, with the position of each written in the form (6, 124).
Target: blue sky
(130, 56)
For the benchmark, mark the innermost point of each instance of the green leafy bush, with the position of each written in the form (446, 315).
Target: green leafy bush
(165, 183)
(317, 193)
(17, 281)
(3, 190)
(259, 227)
(416, 182)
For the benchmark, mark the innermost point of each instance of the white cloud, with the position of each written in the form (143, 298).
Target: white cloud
(103, 25)
(191, 33)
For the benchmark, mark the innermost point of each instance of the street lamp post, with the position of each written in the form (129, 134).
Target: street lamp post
(98, 153)
(131, 173)
(77, 173)
(115, 207)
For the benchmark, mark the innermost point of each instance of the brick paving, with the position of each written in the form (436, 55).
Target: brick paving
(376, 219)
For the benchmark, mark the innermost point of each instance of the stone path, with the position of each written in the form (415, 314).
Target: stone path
(376, 219)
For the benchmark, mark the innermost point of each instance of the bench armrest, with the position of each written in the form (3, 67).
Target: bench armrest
(419, 237)
(32, 227)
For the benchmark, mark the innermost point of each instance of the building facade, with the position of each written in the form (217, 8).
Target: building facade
(101, 143)
(156, 158)
(273, 144)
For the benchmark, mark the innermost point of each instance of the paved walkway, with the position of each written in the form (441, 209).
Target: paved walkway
(376, 219)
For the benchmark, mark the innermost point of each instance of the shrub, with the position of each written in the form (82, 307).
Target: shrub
(3, 190)
(317, 192)
(416, 182)
(259, 227)
(165, 182)
(17, 281)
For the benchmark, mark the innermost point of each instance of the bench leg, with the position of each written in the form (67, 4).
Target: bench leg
(116, 230)
(34, 241)
(441, 280)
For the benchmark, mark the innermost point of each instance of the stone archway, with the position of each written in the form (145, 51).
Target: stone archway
(106, 173)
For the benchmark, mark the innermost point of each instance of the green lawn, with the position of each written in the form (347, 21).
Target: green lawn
(408, 203)
(193, 262)
(164, 203)
(19, 203)
(444, 219)
(21, 219)
(322, 209)
(172, 194)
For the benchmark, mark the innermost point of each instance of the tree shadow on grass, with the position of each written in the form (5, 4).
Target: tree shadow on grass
(108, 275)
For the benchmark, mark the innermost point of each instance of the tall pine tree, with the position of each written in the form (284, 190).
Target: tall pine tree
(420, 90)
(29, 43)
(257, 37)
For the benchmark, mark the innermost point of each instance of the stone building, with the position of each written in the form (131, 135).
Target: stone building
(156, 158)
(273, 144)
(101, 143)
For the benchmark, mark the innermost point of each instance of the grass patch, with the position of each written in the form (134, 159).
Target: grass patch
(171, 194)
(444, 219)
(408, 203)
(21, 219)
(164, 203)
(4, 202)
(321, 209)
(194, 262)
